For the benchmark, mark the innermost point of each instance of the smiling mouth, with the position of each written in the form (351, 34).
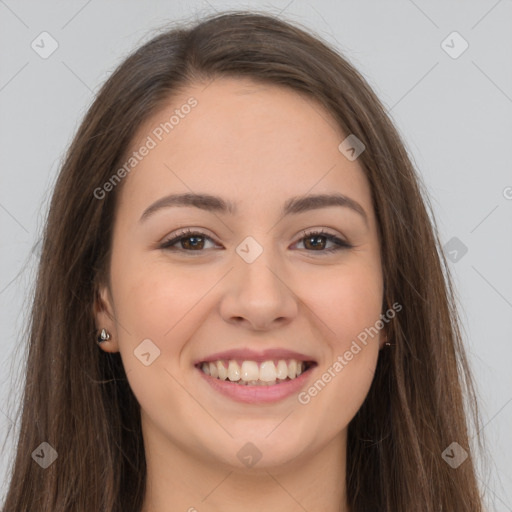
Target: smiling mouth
(253, 373)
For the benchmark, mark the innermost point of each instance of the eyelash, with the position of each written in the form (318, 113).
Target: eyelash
(340, 244)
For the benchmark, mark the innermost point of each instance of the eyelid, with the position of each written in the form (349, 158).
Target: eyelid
(340, 242)
(184, 233)
(317, 231)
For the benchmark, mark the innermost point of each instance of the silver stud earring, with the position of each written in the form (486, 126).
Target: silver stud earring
(104, 335)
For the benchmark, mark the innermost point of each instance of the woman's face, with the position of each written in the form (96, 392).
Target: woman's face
(213, 328)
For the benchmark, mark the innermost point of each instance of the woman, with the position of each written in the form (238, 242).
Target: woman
(239, 227)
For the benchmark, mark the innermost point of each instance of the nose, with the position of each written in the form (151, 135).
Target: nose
(258, 295)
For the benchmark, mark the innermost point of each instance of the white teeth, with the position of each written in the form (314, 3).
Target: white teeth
(213, 370)
(233, 371)
(253, 373)
(250, 371)
(268, 371)
(282, 369)
(292, 369)
(222, 370)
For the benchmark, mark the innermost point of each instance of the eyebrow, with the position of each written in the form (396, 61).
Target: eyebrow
(294, 205)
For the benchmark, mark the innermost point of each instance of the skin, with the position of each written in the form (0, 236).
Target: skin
(256, 145)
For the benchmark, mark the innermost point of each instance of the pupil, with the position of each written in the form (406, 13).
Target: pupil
(315, 245)
(195, 238)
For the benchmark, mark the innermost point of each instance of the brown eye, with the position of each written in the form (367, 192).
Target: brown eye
(197, 242)
(315, 241)
(190, 241)
(318, 240)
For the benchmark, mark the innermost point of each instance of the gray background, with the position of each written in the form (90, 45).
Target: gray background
(455, 115)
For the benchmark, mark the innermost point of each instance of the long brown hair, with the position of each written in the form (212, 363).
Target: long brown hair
(77, 398)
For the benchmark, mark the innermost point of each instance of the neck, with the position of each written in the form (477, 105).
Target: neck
(176, 478)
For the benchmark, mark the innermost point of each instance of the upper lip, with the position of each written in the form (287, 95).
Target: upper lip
(255, 355)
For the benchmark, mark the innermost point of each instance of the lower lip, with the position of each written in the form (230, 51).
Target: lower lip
(257, 394)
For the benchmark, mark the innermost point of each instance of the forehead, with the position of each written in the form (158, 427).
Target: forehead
(242, 140)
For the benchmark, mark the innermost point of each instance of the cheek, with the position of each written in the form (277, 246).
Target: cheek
(346, 300)
(160, 299)
(157, 302)
(340, 388)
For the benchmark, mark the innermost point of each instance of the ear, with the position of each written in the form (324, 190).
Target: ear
(104, 318)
